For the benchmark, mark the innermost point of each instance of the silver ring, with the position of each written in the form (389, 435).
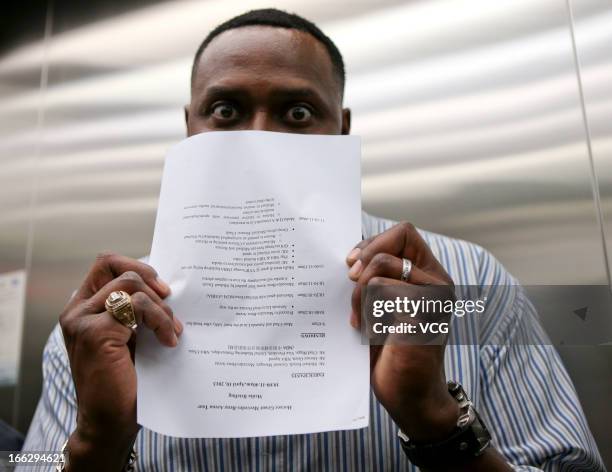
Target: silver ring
(406, 269)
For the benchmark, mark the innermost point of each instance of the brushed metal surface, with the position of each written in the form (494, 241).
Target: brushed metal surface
(490, 147)
(469, 113)
(591, 366)
(595, 60)
(20, 155)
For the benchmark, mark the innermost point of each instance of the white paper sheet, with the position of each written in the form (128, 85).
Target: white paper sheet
(12, 304)
(252, 232)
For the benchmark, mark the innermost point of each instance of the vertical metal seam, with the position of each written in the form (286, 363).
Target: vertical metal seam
(40, 129)
(587, 131)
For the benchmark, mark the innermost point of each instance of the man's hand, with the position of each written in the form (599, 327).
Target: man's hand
(408, 380)
(101, 353)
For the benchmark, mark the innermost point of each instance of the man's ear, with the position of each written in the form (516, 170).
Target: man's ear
(186, 108)
(346, 121)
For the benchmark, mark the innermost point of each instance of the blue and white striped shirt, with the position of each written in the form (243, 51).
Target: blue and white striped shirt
(514, 377)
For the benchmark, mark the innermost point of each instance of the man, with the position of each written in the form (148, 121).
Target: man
(268, 70)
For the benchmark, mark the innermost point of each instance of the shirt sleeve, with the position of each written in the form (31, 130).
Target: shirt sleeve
(55, 416)
(528, 400)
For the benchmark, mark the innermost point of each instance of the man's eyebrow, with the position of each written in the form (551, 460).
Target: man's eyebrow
(284, 93)
(279, 91)
(216, 90)
(295, 92)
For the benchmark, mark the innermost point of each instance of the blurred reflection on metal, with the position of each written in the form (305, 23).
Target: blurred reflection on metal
(595, 59)
(14, 233)
(469, 112)
(594, 62)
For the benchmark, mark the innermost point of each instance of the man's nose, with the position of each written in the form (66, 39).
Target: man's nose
(263, 121)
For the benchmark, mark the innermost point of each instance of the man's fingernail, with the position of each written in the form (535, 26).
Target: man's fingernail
(353, 319)
(178, 326)
(353, 255)
(174, 340)
(355, 270)
(164, 286)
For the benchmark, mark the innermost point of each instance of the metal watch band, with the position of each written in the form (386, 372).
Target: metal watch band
(469, 439)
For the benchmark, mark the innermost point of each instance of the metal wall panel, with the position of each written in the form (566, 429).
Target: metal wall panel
(17, 163)
(594, 58)
(488, 144)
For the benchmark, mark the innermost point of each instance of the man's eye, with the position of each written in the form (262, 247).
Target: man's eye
(299, 113)
(224, 111)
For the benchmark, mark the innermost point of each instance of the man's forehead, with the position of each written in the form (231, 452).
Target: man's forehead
(265, 50)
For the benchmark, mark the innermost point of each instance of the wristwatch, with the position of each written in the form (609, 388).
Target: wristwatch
(469, 439)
